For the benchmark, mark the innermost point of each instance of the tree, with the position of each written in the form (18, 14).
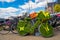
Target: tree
(57, 8)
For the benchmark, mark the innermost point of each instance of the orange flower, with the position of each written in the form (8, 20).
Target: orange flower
(33, 15)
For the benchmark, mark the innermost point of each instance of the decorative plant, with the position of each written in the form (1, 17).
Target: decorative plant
(45, 29)
(57, 8)
(24, 26)
(0, 28)
(33, 15)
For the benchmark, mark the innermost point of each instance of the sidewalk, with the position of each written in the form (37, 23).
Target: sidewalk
(11, 36)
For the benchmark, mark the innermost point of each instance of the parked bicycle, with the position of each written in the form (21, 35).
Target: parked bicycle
(4, 29)
(55, 21)
(8, 25)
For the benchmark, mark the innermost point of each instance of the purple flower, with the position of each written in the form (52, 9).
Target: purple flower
(8, 22)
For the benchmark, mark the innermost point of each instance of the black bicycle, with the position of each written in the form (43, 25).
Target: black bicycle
(4, 29)
(7, 26)
(14, 23)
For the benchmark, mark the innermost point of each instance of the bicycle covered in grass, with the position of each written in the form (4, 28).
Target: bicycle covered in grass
(25, 26)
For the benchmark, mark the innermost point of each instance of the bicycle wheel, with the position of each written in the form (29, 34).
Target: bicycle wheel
(13, 29)
(4, 30)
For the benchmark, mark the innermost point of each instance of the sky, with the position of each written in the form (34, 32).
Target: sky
(17, 7)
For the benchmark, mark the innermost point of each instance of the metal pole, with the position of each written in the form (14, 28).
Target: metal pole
(29, 5)
(53, 7)
(47, 5)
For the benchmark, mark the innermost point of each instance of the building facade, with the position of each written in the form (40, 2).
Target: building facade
(50, 7)
(58, 1)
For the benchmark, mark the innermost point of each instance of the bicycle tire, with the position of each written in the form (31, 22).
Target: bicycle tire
(4, 31)
(13, 29)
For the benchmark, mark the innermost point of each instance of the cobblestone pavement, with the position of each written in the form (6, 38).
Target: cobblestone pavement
(11, 36)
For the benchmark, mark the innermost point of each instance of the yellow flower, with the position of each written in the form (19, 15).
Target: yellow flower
(46, 28)
(37, 14)
(46, 14)
(21, 28)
